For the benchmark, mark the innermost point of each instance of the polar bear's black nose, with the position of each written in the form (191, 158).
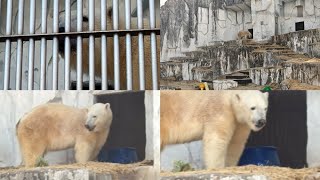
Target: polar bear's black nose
(90, 128)
(260, 123)
(61, 30)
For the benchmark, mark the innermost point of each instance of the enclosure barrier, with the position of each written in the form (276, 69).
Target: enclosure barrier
(19, 37)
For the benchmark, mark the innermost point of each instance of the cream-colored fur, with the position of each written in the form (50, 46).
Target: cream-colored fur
(110, 50)
(222, 119)
(244, 35)
(52, 127)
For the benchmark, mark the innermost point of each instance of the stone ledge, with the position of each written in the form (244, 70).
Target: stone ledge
(224, 84)
(215, 177)
(143, 172)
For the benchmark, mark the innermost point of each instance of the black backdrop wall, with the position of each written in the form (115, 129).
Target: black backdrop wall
(286, 127)
(128, 127)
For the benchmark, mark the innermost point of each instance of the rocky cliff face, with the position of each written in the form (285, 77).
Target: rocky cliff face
(189, 54)
(266, 63)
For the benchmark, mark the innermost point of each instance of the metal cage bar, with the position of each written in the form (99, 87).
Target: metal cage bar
(116, 55)
(43, 45)
(67, 47)
(91, 46)
(31, 44)
(153, 45)
(128, 44)
(104, 77)
(79, 45)
(83, 34)
(56, 36)
(19, 45)
(8, 47)
(55, 45)
(141, 45)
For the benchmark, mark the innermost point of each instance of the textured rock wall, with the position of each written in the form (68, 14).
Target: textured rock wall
(307, 41)
(188, 24)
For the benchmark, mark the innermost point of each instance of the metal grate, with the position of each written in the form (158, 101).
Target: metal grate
(76, 36)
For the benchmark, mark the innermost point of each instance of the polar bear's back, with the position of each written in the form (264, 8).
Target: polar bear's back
(189, 111)
(53, 118)
(191, 104)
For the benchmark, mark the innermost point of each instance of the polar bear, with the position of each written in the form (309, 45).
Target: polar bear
(221, 119)
(110, 49)
(53, 127)
(244, 35)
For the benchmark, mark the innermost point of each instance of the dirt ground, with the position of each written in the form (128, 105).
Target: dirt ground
(97, 167)
(274, 173)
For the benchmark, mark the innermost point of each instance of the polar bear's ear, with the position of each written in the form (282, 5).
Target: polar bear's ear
(266, 95)
(107, 105)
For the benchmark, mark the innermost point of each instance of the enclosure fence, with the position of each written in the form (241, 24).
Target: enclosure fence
(68, 35)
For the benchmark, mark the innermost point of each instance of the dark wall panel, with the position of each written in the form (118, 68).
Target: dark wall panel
(286, 128)
(128, 127)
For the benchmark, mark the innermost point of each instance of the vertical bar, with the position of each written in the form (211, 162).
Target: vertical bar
(31, 43)
(43, 46)
(141, 45)
(19, 45)
(8, 47)
(128, 45)
(79, 46)
(91, 46)
(153, 46)
(55, 45)
(115, 11)
(104, 77)
(0, 10)
(67, 47)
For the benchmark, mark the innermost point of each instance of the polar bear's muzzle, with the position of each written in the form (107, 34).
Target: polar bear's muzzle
(90, 127)
(260, 123)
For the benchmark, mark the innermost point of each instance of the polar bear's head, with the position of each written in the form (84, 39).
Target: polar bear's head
(85, 26)
(251, 107)
(99, 117)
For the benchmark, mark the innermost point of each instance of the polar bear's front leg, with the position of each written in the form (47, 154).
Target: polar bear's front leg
(83, 151)
(215, 144)
(237, 144)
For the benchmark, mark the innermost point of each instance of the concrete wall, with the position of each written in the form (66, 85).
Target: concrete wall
(189, 152)
(186, 25)
(153, 120)
(313, 114)
(311, 13)
(263, 15)
(192, 152)
(16, 103)
(302, 42)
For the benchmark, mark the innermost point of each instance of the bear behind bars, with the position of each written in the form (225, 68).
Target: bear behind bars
(110, 49)
(53, 127)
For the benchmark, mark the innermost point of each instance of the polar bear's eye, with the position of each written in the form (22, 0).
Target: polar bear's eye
(94, 116)
(253, 108)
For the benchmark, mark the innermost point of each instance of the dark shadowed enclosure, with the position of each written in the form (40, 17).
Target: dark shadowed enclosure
(286, 128)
